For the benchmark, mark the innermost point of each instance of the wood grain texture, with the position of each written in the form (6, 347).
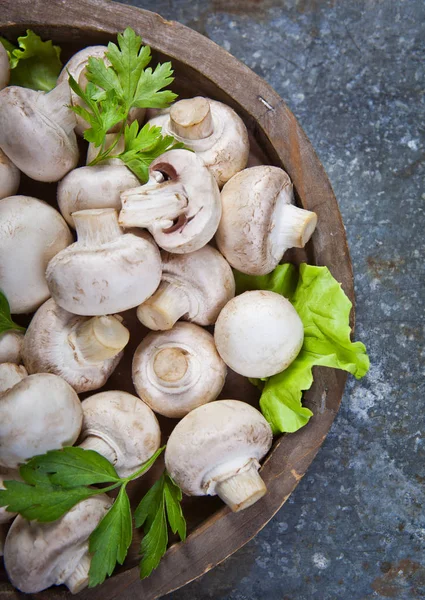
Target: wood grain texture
(203, 68)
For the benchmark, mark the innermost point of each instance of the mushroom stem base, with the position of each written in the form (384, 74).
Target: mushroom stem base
(162, 310)
(242, 490)
(93, 442)
(297, 226)
(100, 338)
(79, 578)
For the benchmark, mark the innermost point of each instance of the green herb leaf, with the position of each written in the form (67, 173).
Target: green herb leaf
(6, 322)
(148, 506)
(35, 64)
(324, 310)
(111, 539)
(155, 540)
(148, 94)
(173, 497)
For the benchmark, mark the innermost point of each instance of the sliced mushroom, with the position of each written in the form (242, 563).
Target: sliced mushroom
(82, 350)
(180, 204)
(94, 187)
(11, 346)
(216, 449)
(38, 555)
(213, 130)
(259, 221)
(31, 233)
(106, 271)
(194, 286)
(120, 427)
(37, 413)
(4, 67)
(258, 334)
(37, 131)
(9, 176)
(175, 371)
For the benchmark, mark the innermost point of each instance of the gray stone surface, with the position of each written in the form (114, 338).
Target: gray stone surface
(353, 73)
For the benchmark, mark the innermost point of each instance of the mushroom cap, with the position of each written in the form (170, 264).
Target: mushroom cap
(126, 424)
(10, 176)
(4, 67)
(31, 233)
(225, 151)
(11, 346)
(40, 413)
(177, 370)
(10, 375)
(258, 334)
(94, 187)
(93, 151)
(47, 349)
(37, 131)
(38, 555)
(93, 277)
(221, 435)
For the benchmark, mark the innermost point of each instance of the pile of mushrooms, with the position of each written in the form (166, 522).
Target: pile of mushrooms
(151, 249)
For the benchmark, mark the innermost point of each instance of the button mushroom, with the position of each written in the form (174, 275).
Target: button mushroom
(194, 286)
(37, 131)
(4, 67)
(216, 449)
(258, 334)
(11, 346)
(31, 233)
(175, 371)
(10, 375)
(94, 187)
(38, 555)
(37, 413)
(180, 204)
(106, 271)
(213, 130)
(120, 427)
(84, 351)
(93, 151)
(9, 176)
(259, 222)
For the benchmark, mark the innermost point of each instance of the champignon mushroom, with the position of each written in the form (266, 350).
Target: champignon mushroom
(180, 204)
(120, 427)
(37, 413)
(106, 271)
(194, 286)
(38, 555)
(11, 346)
(93, 151)
(31, 233)
(213, 130)
(94, 187)
(9, 176)
(82, 350)
(175, 371)
(4, 67)
(259, 222)
(258, 334)
(37, 131)
(216, 449)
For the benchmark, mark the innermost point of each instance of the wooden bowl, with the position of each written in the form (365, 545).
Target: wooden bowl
(203, 68)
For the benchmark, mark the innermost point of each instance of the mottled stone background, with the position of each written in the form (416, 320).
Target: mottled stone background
(353, 72)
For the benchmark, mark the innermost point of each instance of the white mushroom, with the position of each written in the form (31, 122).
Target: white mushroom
(258, 334)
(180, 204)
(194, 286)
(93, 151)
(38, 555)
(37, 413)
(259, 221)
(5, 515)
(106, 271)
(11, 346)
(120, 427)
(82, 350)
(31, 233)
(216, 449)
(175, 371)
(213, 130)
(9, 176)
(4, 67)
(37, 131)
(94, 187)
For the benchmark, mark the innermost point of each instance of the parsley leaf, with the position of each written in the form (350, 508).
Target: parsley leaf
(6, 322)
(173, 497)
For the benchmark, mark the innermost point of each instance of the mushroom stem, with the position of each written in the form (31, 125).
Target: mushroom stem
(99, 445)
(79, 578)
(242, 489)
(149, 205)
(296, 225)
(162, 310)
(191, 119)
(99, 338)
(97, 226)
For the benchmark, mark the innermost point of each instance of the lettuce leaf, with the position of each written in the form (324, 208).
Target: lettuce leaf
(324, 310)
(34, 64)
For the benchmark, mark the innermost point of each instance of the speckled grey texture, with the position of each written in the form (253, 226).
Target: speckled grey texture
(353, 73)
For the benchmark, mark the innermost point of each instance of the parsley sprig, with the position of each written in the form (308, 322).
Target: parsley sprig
(6, 322)
(56, 481)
